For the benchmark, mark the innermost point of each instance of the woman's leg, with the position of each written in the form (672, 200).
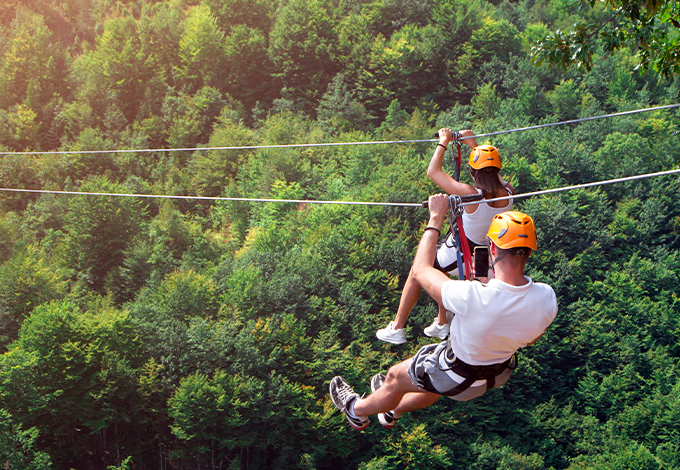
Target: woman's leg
(409, 298)
(441, 316)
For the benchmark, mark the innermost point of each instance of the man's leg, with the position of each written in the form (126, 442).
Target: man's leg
(414, 401)
(389, 397)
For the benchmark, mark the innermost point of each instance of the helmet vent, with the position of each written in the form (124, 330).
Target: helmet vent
(502, 232)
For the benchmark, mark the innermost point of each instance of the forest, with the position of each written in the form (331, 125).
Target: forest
(185, 333)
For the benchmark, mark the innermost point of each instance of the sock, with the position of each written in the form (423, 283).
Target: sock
(350, 409)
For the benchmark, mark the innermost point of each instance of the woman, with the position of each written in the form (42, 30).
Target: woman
(485, 164)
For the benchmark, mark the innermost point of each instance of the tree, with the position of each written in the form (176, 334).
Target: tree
(648, 29)
(71, 374)
(112, 76)
(20, 172)
(247, 75)
(211, 415)
(190, 117)
(19, 128)
(200, 50)
(17, 446)
(26, 281)
(98, 230)
(303, 48)
(256, 14)
(32, 66)
(339, 109)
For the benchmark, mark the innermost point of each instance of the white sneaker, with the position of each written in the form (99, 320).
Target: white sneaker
(435, 330)
(390, 335)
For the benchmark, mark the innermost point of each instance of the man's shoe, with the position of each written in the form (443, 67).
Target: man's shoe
(387, 418)
(390, 335)
(435, 330)
(342, 395)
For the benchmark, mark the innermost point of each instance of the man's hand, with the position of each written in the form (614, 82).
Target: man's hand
(428, 277)
(439, 207)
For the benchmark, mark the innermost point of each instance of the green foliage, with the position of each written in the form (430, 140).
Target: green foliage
(339, 111)
(70, 360)
(648, 29)
(195, 333)
(26, 281)
(17, 446)
(98, 230)
(199, 49)
(302, 48)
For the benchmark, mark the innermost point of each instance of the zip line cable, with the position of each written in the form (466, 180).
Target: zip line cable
(308, 201)
(576, 186)
(336, 144)
(574, 121)
(209, 198)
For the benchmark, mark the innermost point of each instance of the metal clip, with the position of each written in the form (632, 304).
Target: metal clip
(455, 208)
(456, 139)
(455, 212)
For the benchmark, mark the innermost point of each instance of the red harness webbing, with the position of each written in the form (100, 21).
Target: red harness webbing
(463, 243)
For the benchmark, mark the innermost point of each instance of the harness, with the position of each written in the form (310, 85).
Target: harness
(456, 214)
(470, 373)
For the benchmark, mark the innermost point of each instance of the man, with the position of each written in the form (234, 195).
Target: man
(491, 322)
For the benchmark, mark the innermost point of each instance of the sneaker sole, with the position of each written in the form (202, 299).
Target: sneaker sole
(385, 423)
(358, 428)
(374, 381)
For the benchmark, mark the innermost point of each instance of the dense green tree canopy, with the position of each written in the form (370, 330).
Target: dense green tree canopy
(147, 333)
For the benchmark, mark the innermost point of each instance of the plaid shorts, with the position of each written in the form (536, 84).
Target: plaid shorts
(429, 370)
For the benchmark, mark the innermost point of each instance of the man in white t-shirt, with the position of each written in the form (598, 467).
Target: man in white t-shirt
(491, 322)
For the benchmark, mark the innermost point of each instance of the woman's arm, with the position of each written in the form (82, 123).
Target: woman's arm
(436, 173)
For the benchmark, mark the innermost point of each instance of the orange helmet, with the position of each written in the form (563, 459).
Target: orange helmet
(484, 156)
(512, 229)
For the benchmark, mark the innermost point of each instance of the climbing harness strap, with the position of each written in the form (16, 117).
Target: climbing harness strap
(470, 373)
(456, 213)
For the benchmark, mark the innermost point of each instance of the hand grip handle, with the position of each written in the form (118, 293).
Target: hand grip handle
(465, 198)
(456, 135)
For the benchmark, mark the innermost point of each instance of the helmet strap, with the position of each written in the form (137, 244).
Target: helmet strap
(495, 259)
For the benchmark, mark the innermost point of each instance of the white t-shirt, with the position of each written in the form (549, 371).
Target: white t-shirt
(492, 321)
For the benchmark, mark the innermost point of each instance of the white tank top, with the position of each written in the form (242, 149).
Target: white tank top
(476, 224)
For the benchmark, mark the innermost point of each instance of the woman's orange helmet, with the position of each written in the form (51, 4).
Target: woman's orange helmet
(512, 229)
(484, 156)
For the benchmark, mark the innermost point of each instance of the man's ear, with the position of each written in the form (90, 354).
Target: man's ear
(492, 248)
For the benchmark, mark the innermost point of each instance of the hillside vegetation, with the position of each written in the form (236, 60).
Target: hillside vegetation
(148, 333)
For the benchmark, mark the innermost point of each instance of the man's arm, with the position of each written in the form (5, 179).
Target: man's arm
(428, 277)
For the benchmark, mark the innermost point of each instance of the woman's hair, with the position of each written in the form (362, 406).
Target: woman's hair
(487, 180)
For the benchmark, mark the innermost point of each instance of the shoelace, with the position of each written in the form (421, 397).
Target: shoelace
(345, 393)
